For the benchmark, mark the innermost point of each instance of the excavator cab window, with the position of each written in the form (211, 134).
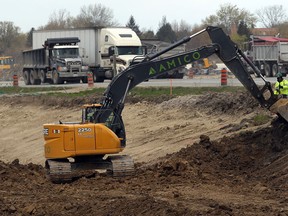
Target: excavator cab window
(89, 114)
(115, 123)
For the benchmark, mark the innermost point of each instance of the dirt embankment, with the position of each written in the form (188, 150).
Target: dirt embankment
(216, 154)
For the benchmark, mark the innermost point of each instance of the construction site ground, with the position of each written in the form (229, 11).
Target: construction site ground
(214, 154)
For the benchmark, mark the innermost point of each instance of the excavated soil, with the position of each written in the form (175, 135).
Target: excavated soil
(215, 154)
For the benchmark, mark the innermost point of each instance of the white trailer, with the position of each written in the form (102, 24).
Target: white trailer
(269, 54)
(107, 51)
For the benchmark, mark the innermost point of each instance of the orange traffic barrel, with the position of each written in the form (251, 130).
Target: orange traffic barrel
(15, 80)
(223, 77)
(90, 80)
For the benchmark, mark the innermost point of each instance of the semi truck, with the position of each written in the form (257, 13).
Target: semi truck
(269, 54)
(56, 61)
(107, 51)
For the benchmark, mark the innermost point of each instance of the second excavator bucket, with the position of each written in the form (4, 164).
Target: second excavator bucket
(281, 107)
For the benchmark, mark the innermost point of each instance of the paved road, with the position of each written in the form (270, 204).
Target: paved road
(198, 81)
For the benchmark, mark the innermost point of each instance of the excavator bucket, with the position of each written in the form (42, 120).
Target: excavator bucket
(281, 107)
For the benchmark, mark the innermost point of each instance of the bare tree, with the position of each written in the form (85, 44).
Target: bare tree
(271, 16)
(181, 26)
(8, 35)
(58, 20)
(283, 29)
(181, 29)
(94, 15)
(230, 15)
(200, 40)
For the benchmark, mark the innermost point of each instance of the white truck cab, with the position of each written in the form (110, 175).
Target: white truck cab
(119, 46)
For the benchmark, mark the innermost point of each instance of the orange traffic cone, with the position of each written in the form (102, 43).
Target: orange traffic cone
(90, 80)
(15, 80)
(223, 77)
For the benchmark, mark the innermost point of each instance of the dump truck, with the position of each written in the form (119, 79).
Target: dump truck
(56, 61)
(107, 51)
(96, 141)
(269, 54)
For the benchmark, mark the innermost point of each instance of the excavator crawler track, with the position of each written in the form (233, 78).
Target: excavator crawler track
(59, 171)
(63, 171)
(121, 166)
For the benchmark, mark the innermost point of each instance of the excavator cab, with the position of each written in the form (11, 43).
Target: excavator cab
(89, 112)
(74, 147)
(114, 122)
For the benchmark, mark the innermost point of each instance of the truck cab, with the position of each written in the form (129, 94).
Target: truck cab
(119, 48)
(65, 60)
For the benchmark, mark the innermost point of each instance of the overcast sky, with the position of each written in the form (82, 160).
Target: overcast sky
(148, 13)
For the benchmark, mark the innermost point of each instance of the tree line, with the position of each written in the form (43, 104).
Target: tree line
(235, 21)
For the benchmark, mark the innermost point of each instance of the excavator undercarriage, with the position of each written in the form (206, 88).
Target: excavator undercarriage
(63, 170)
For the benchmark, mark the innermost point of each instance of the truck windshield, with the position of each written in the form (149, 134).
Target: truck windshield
(129, 50)
(66, 52)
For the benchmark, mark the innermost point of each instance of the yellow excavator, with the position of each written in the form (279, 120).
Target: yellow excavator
(96, 141)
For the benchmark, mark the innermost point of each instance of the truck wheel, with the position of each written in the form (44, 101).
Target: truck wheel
(42, 76)
(84, 80)
(34, 78)
(56, 78)
(97, 78)
(274, 70)
(73, 81)
(267, 70)
(26, 76)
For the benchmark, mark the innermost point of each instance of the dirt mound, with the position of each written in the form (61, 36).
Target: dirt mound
(229, 103)
(62, 101)
(243, 173)
(248, 154)
(247, 165)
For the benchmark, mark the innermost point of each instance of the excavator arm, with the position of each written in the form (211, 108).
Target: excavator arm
(222, 45)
